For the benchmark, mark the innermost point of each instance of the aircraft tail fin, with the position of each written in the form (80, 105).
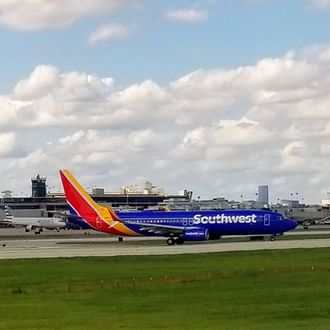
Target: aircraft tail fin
(84, 206)
(9, 216)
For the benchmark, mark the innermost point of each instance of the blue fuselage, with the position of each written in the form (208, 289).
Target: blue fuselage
(216, 223)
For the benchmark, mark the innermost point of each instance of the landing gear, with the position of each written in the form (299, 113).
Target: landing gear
(272, 238)
(179, 241)
(172, 241)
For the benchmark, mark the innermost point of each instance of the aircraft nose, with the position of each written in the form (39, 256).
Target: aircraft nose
(291, 224)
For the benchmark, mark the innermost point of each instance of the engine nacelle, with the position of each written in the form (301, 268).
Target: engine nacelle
(28, 228)
(197, 234)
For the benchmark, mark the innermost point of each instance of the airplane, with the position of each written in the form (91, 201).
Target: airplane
(177, 227)
(33, 223)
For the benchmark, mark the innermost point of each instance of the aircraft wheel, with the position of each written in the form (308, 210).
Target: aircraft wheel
(272, 238)
(170, 241)
(179, 241)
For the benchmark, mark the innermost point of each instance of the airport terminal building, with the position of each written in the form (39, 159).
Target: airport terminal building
(42, 203)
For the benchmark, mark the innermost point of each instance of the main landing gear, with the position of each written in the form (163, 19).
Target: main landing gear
(173, 240)
(273, 236)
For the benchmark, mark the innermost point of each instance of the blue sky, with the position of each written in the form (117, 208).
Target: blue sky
(236, 33)
(214, 96)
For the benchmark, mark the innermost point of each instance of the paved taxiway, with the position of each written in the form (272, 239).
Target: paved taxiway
(14, 243)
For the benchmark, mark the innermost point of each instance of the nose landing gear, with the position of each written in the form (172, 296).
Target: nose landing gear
(273, 237)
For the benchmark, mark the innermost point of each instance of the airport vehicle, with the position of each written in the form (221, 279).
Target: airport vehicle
(33, 223)
(176, 226)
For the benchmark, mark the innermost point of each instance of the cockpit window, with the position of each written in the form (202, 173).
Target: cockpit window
(279, 217)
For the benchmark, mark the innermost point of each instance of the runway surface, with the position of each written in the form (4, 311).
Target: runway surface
(14, 243)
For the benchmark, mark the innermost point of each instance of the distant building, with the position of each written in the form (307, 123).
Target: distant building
(98, 192)
(325, 202)
(6, 194)
(263, 195)
(38, 186)
(290, 203)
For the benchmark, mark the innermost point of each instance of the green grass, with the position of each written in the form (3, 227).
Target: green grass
(288, 289)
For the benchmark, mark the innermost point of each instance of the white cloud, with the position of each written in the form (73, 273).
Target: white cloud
(188, 15)
(318, 4)
(144, 139)
(293, 156)
(108, 33)
(40, 14)
(214, 131)
(321, 4)
(7, 141)
(41, 81)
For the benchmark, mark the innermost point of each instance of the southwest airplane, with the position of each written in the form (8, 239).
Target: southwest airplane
(176, 226)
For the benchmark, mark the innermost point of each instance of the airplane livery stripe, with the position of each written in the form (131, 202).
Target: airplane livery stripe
(125, 230)
(73, 182)
(78, 203)
(90, 211)
(76, 213)
(81, 206)
(120, 228)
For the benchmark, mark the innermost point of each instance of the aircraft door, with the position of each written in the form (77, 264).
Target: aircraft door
(267, 220)
(185, 221)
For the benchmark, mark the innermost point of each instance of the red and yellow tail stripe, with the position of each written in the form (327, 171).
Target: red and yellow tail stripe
(98, 217)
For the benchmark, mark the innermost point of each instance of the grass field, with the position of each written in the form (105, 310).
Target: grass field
(288, 289)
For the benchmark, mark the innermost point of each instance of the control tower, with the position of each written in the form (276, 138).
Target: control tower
(38, 186)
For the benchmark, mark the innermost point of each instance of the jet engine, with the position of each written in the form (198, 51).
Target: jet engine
(196, 234)
(28, 228)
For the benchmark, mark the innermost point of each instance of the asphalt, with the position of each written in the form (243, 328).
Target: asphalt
(15, 243)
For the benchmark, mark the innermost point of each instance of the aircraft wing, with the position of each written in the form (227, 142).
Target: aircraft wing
(64, 214)
(158, 229)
